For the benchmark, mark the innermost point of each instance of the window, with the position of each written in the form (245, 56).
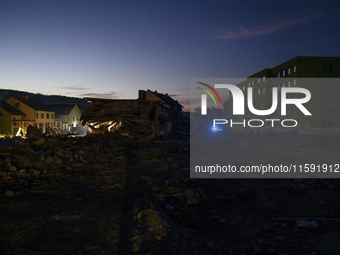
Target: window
(37, 115)
(47, 115)
(259, 91)
(52, 116)
(289, 84)
(264, 78)
(294, 83)
(77, 118)
(263, 90)
(259, 80)
(283, 85)
(249, 84)
(14, 123)
(252, 83)
(42, 115)
(278, 75)
(288, 71)
(294, 69)
(283, 73)
(73, 118)
(263, 101)
(17, 105)
(162, 108)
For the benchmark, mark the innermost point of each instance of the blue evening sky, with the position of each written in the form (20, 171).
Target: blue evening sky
(112, 49)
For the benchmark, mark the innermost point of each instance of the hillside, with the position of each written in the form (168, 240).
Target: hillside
(45, 99)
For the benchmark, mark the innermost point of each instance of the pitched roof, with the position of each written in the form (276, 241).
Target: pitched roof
(62, 109)
(167, 99)
(34, 104)
(10, 109)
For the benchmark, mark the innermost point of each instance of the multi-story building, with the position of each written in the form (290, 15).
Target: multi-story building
(36, 114)
(174, 107)
(11, 119)
(317, 74)
(67, 116)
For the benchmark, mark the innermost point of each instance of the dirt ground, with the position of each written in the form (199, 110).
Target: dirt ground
(136, 197)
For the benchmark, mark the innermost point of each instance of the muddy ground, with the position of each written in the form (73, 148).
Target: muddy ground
(136, 197)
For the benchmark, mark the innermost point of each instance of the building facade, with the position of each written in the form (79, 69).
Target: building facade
(174, 107)
(36, 113)
(12, 120)
(317, 74)
(67, 117)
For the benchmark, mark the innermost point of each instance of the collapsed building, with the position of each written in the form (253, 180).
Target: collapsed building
(133, 118)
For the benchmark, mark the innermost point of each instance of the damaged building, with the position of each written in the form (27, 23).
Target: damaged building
(133, 118)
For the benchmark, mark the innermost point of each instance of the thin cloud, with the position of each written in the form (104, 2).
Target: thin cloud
(73, 88)
(109, 95)
(179, 95)
(248, 32)
(129, 74)
(184, 89)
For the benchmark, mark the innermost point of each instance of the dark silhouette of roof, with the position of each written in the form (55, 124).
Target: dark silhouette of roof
(10, 109)
(167, 99)
(62, 109)
(34, 104)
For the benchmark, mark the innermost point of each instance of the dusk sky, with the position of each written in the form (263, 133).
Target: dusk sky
(112, 49)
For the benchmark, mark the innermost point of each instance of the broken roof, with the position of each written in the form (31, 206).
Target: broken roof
(167, 99)
(10, 109)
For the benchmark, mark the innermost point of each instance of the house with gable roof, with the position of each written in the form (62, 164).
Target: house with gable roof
(67, 117)
(36, 113)
(11, 119)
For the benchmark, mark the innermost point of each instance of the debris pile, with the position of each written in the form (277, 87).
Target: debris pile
(43, 158)
(132, 118)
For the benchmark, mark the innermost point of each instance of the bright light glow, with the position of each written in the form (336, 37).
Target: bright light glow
(20, 132)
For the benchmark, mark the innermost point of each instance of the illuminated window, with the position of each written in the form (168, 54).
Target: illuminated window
(294, 69)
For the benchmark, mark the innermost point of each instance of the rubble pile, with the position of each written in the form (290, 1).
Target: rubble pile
(11, 141)
(126, 196)
(135, 119)
(43, 158)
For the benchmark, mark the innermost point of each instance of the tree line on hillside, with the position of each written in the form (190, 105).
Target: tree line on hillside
(45, 99)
